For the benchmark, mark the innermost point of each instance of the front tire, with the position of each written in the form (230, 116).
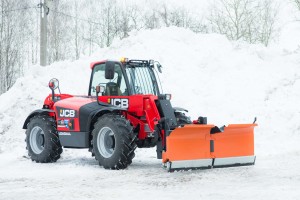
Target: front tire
(42, 140)
(113, 145)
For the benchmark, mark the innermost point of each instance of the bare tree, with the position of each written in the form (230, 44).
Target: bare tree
(12, 26)
(124, 25)
(164, 14)
(151, 19)
(181, 17)
(198, 26)
(76, 31)
(233, 18)
(267, 18)
(59, 32)
(108, 22)
(249, 20)
(78, 27)
(135, 15)
(297, 2)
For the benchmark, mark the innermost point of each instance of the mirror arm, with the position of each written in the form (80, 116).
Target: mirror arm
(158, 65)
(97, 93)
(53, 95)
(97, 96)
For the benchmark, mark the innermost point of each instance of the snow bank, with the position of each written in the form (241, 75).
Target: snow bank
(227, 82)
(208, 75)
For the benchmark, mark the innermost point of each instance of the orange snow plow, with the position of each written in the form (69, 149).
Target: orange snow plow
(207, 146)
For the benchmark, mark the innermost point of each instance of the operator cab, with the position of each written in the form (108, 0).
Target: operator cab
(128, 77)
(114, 86)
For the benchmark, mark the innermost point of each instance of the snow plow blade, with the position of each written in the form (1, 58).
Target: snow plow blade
(207, 146)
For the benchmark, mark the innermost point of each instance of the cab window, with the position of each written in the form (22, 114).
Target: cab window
(113, 87)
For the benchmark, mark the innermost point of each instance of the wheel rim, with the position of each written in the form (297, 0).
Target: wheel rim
(106, 142)
(37, 140)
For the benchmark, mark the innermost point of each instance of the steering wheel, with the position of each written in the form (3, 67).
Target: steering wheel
(100, 84)
(138, 89)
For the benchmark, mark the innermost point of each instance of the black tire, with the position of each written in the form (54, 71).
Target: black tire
(113, 143)
(182, 119)
(131, 155)
(42, 140)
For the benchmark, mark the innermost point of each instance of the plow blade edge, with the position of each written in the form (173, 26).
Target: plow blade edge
(202, 147)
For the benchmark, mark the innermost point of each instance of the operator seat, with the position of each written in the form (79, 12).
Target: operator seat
(112, 89)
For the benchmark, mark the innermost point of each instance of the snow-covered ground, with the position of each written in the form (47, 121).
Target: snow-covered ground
(210, 76)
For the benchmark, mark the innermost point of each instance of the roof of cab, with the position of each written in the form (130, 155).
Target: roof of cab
(92, 65)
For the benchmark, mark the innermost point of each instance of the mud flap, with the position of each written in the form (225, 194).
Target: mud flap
(194, 147)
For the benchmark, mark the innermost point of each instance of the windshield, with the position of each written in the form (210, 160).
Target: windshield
(142, 79)
(113, 87)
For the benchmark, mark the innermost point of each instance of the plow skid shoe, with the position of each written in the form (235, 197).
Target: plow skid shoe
(202, 147)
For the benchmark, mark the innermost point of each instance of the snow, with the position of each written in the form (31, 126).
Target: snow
(229, 82)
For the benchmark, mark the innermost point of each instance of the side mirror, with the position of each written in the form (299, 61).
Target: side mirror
(109, 69)
(53, 83)
(158, 66)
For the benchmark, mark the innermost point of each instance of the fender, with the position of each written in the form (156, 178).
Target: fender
(37, 112)
(90, 112)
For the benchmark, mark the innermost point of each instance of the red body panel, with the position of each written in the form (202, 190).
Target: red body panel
(73, 103)
(141, 110)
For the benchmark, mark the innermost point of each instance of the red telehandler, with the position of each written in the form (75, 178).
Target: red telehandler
(125, 109)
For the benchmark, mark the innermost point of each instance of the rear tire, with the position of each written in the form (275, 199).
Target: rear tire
(42, 140)
(113, 145)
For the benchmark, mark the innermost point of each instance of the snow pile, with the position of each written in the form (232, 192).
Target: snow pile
(206, 74)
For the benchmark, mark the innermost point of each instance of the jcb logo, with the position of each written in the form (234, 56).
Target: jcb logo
(122, 103)
(67, 113)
